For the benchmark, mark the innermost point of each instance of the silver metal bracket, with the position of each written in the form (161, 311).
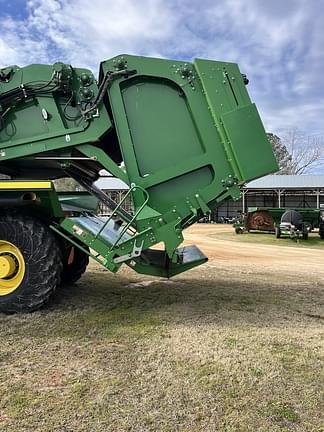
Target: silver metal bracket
(137, 250)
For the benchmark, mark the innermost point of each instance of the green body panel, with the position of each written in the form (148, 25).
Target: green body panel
(171, 125)
(78, 201)
(245, 131)
(236, 120)
(41, 202)
(27, 132)
(183, 136)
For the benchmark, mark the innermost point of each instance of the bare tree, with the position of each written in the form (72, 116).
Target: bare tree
(281, 153)
(306, 152)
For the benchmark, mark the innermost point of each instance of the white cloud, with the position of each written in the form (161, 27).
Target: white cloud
(87, 35)
(278, 43)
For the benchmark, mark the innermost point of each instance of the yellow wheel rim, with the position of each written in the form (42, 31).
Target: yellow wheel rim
(12, 267)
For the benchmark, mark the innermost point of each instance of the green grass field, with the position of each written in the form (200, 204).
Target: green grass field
(225, 349)
(314, 240)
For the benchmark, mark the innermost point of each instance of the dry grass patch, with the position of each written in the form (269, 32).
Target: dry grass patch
(217, 349)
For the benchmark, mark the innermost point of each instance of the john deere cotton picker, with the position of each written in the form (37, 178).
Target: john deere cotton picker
(183, 136)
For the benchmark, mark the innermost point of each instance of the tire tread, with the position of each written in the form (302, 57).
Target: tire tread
(43, 262)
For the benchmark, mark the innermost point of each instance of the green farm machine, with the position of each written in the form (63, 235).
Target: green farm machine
(182, 136)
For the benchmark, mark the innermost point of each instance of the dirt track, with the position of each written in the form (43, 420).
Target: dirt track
(259, 257)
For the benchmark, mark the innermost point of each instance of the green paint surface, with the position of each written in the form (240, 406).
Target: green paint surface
(184, 136)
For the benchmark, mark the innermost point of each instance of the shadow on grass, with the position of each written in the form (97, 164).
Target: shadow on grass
(212, 298)
(108, 306)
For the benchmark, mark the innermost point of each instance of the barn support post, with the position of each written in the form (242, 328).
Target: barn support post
(244, 200)
(280, 192)
(317, 199)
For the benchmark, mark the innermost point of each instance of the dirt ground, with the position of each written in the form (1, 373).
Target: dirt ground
(225, 249)
(233, 345)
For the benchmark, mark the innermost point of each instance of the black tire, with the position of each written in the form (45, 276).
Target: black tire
(42, 259)
(321, 230)
(72, 272)
(277, 232)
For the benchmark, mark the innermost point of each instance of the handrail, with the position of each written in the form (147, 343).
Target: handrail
(130, 222)
(146, 194)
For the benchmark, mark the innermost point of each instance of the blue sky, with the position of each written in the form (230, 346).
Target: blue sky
(278, 43)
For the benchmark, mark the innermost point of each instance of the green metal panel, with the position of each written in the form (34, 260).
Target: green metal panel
(236, 119)
(51, 118)
(169, 119)
(172, 192)
(183, 136)
(81, 201)
(175, 125)
(45, 204)
(251, 152)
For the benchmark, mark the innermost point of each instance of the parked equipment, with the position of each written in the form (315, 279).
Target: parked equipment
(321, 224)
(293, 225)
(267, 218)
(183, 136)
(256, 219)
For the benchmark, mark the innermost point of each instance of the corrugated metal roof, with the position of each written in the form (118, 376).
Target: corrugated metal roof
(301, 182)
(111, 183)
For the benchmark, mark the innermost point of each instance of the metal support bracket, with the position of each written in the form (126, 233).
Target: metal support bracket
(136, 252)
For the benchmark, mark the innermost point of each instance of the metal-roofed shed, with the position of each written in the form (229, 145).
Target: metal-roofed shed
(299, 182)
(109, 183)
(116, 189)
(287, 191)
(290, 191)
